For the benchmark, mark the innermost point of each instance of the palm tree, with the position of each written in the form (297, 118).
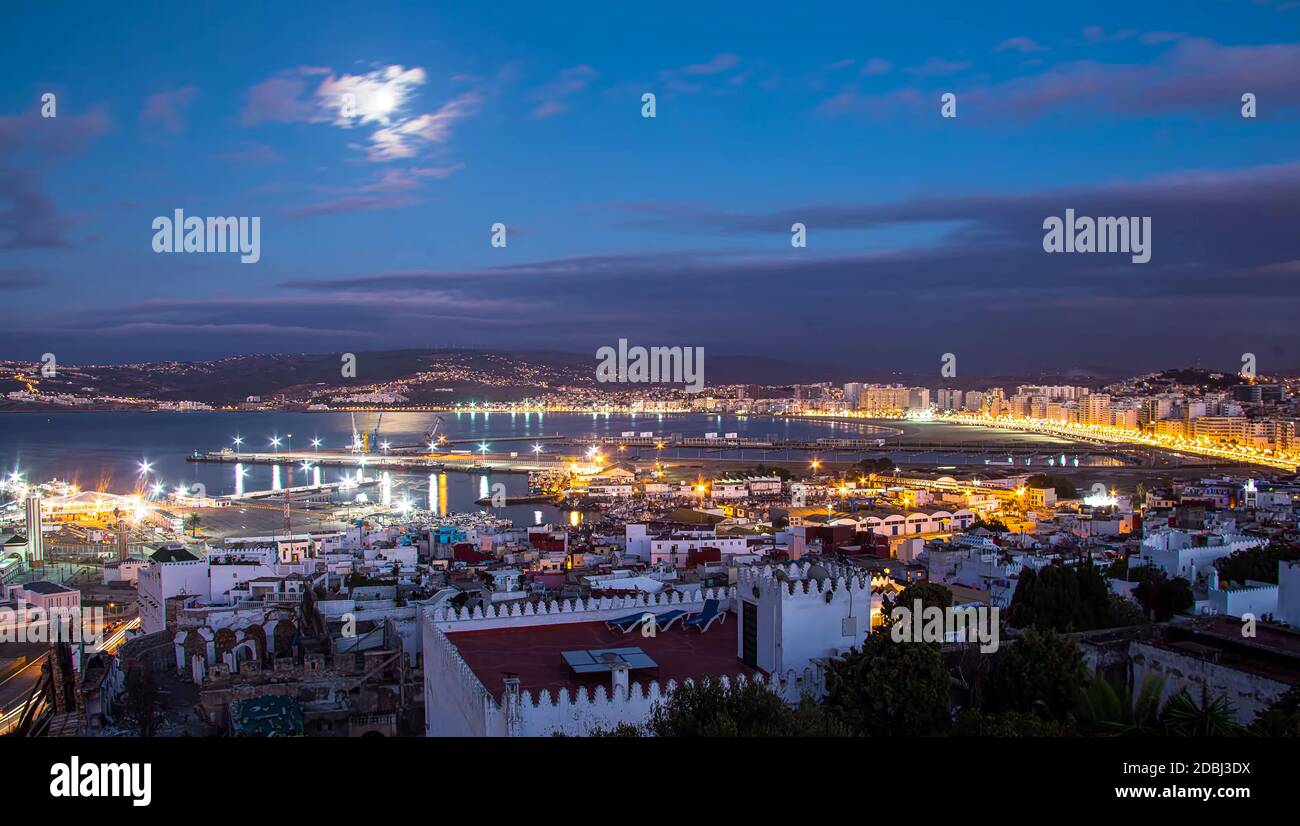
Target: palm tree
(192, 522)
(1104, 710)
(1184, 717)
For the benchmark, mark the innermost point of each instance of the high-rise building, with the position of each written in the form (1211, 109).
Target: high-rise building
(35, 538)
(123, 540)
(1222, 429)
(853, 394)
(1094, 408)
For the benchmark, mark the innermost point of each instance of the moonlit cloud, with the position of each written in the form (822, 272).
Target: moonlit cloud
(378, 97)
(405, 139)
(383, 99)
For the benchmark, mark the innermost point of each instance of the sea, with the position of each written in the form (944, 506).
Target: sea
(125, 452)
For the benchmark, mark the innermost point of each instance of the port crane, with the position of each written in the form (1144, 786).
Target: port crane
(364, 441)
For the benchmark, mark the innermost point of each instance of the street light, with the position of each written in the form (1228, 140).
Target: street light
(145, 467)
(315, 443)
(537, 448)
(483, 447)
(239, 440)
(275, 443)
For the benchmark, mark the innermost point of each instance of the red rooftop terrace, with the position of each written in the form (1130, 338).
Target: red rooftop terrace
(533, 654)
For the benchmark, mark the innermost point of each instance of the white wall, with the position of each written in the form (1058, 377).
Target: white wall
(1288, 593)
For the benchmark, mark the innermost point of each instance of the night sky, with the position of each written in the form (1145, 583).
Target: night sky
(924, 233)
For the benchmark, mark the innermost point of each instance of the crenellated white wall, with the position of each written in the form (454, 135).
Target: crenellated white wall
(1257, 599)
(516, 615)
(579, 713)
(457, 704)
(801, 620)
(1288, 593)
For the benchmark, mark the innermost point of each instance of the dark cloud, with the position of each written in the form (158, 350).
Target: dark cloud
(1191, 73)
(19, 280)
(29, 144)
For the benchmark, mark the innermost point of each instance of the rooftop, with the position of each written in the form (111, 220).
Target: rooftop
(46, 587)
(167, 553)
(533, 653)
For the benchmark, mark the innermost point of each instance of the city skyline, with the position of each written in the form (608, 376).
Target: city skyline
(924, 234)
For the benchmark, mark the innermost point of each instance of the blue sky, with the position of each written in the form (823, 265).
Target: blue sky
(924, 234)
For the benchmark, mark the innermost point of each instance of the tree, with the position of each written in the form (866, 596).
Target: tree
(1104, 708)
(1257, 563)
(881, 464)
(972, 722)
(1161, 596)
(1063, 486)
(1184, 717)
(1282, 718)
(192, 522)
(620, 730)
(710, 708)
(890, 689)
(1042, 673)
(1062, 598)
(929, 593)
(140, 708)
(1125, 612)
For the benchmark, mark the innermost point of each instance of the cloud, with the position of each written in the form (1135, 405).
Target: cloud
(406, 138)
(381, 192)
(11, 279)
(283, 98)
(28, 219)
(1025, 45)
(253, 153)
(1194, 73)
(986, 262)
(29, 145)
(876, 66)
(1156, 38)
(379, 97)
(353, 203)
(938, 67)
(398, 180)
(166, 110)
(382, 100)
(696, 77)
(722, 62)
(1096, 34)
(1223, 243)
(553, 96)
(44, 138)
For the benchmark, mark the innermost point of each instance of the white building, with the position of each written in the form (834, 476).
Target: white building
(1189, 554)
(787, 626)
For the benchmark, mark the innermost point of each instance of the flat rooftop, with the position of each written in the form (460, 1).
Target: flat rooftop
(533, 653)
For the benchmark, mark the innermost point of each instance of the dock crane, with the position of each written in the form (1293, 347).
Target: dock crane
(363, 441)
